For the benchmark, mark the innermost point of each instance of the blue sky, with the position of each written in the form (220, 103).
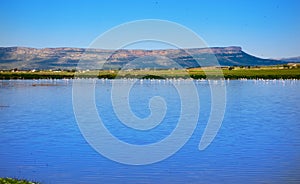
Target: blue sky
(265, 28)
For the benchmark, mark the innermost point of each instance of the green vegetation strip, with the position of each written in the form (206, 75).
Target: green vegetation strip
(15, 181)
(196, 73)
(253, 73)
(36, 75)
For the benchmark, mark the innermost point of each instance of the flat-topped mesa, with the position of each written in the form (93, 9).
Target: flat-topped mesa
(216, 50)
(123, 52)
(178, 52)
(226, 50)
(68, 58)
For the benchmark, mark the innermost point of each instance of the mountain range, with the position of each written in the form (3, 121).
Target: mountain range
(25, 58)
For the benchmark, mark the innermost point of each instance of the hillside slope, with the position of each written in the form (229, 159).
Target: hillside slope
(25, 58)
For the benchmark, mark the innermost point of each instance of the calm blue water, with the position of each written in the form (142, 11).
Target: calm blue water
(258, 142)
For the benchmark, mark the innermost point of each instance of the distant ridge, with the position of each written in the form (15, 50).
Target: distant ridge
(25, 58)
(291, 59)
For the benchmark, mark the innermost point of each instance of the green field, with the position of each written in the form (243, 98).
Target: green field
(251, 73)
(15, 181)
(267, 72)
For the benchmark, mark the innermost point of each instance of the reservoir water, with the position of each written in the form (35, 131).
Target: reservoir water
(258, 141)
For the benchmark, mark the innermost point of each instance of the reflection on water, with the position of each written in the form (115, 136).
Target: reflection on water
(258, 142)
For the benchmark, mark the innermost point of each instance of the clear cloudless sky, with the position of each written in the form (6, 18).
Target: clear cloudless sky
(265, 28)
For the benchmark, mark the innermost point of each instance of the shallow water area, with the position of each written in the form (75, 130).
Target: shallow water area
(258, 141)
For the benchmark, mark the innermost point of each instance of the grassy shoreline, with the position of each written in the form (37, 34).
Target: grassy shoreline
(16, 181)
(265, 72)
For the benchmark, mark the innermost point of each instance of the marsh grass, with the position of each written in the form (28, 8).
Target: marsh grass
(265, 72)
(15, 181)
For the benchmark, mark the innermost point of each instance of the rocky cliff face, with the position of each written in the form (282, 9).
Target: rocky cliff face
(68, 58)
